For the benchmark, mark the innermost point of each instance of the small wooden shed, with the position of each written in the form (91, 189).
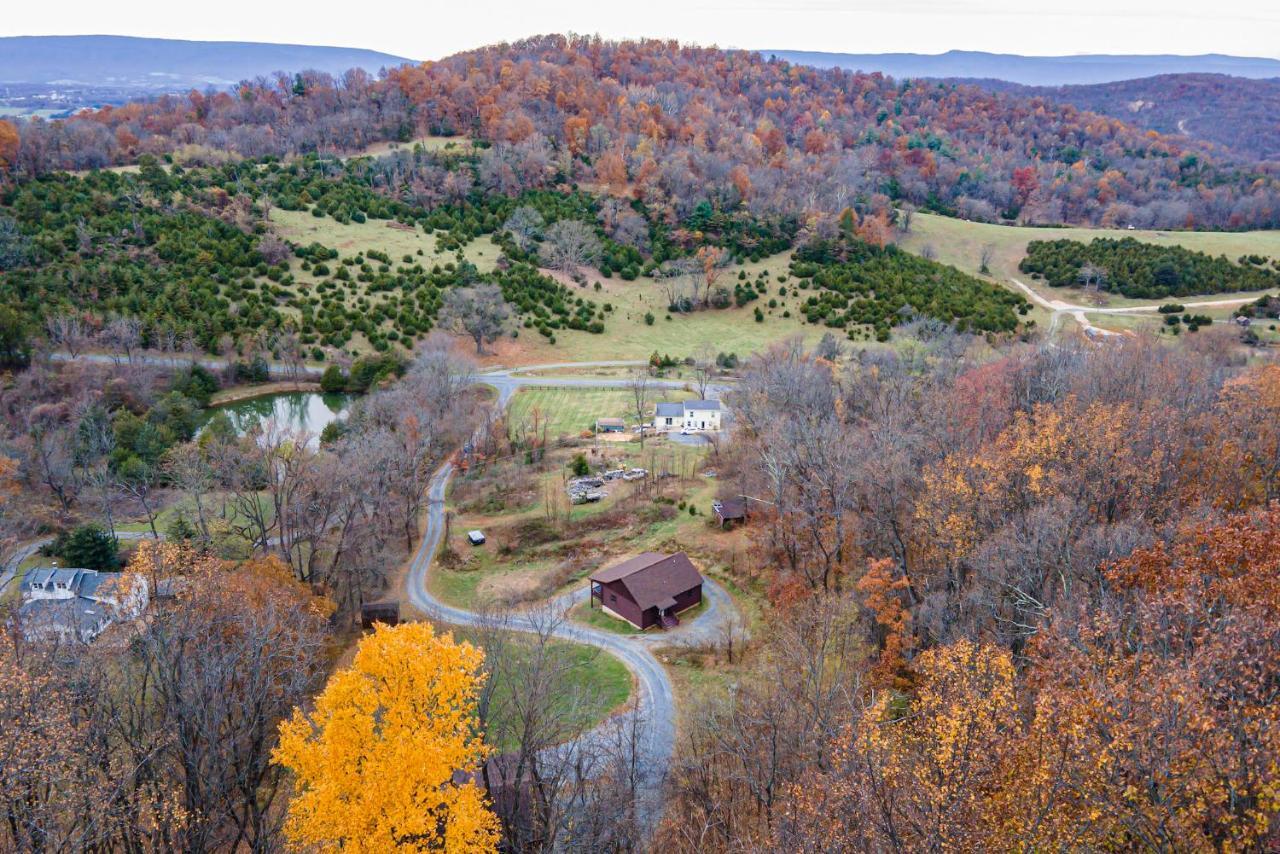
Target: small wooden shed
(610, 425)
(379, 612)
(730, 510)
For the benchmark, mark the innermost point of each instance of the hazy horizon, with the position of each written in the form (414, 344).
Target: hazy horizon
(1094, 27)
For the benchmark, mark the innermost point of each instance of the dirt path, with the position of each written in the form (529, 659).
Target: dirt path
(655, 700)
(1079, 312)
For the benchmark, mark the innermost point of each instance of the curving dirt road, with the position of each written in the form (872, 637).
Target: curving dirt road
(1078, 312)
(655, 702)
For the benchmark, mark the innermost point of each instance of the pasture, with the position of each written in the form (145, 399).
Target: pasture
(570, 411)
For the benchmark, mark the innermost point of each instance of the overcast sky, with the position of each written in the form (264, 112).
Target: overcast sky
(428, 29)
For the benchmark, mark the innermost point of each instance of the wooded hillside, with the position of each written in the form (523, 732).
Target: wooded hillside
(680, 125)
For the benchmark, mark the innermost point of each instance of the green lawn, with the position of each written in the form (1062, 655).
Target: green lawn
(599, 682)
(569, 411)
(595, 617)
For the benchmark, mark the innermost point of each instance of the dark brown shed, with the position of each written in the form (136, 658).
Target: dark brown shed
(379, 612)
(649, 589)
(730, 510)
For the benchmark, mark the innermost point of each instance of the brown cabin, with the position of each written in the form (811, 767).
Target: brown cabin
(730, 510)
(649, 589)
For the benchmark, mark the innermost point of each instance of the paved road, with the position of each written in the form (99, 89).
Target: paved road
(655, 702)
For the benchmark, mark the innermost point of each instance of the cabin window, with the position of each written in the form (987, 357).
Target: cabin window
(613, 597)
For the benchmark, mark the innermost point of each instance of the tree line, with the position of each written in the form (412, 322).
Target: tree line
(1141, 270)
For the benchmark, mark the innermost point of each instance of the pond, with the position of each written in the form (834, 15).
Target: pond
(309, 411)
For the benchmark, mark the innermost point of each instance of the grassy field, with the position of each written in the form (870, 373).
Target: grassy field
(569, 411)
(430, 143)
(627, 336)
(959, 243)
(601, 683)
(350, 238)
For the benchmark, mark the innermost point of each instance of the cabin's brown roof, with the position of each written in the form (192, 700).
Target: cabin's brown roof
(733, 508)
(652, 579)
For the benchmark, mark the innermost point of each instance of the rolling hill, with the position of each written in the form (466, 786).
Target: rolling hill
(1238, 113)
(1034, 70)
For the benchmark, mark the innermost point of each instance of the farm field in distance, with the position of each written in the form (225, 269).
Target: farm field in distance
(570, 411)
(960, 242)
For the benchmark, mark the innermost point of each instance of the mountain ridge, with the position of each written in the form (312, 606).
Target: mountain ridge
(1083, 69)
(95, 60)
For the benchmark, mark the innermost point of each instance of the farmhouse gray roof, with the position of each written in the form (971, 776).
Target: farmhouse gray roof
(700, 405)
(71, 578)
(667, 410)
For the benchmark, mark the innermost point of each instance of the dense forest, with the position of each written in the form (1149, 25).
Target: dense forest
(677, 126)
(1236, 113)
(1143, 270)
(1002, 593)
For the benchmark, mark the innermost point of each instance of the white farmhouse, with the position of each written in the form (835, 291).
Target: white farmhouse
(687, 415)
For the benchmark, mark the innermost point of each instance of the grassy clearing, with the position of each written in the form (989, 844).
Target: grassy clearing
(600, 684)
(569, 411)
(627, 336)
(459, 144)
(596, 618)
(392, 238)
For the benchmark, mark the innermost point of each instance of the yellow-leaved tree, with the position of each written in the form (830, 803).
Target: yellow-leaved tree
(375, 762)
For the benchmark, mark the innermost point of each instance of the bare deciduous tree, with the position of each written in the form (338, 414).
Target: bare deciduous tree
(704, 368)
(638, 385)
(525, 227)
(67, 332)
(479, 311)
(122, 335)
(570, 244)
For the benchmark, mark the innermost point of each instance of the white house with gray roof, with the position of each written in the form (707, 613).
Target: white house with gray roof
(687, 415)
(70, 604)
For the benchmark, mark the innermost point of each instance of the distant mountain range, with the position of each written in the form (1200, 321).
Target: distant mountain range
(58, 74)
(162, 63)
(1034, 70)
